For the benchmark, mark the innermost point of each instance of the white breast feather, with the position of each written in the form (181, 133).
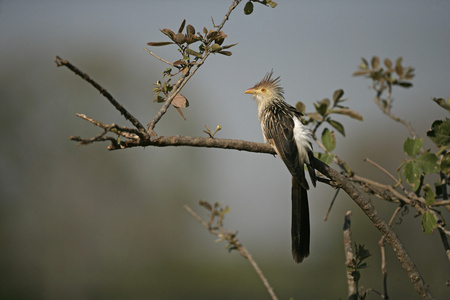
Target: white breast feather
(303, 139)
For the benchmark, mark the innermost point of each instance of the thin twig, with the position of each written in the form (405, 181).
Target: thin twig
(381, 243)
(386, 109)
(236, 243)
(157, 57)
(382, 169)
(129, 133)
(325, 218)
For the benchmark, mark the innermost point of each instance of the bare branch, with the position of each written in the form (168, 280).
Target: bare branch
(382, 169)
(349, 257)
(142, 132)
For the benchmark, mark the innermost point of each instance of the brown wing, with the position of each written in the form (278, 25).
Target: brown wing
(279, 132)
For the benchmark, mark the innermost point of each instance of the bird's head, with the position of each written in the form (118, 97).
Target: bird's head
(267, 90)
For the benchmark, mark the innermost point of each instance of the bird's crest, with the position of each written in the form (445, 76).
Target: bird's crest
(271, 84)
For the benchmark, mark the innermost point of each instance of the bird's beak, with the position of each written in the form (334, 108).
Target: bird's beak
(250, 91)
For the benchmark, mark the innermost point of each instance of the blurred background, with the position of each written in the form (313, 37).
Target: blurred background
(80, 222)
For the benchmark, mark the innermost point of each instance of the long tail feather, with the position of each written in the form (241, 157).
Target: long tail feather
(300, 222)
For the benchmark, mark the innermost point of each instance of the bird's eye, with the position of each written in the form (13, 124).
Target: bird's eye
(263, 90)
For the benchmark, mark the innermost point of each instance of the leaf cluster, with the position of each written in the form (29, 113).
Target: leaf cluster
(391, 74)
(324, 114)
(421, 163)
(211, 41)
(216, 215)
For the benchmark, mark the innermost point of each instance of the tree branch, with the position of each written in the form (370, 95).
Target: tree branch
(367, 207)
(142, 132)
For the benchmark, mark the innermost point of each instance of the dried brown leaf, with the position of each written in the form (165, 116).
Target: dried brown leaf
(194, 53)
(180, 112)
(179, 62)
(180, 101)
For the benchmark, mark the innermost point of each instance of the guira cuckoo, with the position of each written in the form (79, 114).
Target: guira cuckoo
(283, 129)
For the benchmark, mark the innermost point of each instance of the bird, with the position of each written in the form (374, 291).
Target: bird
(282, 128)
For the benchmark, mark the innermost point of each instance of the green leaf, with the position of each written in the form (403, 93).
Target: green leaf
(337, 95)
(429, 195)
(440, 133)
(159, 99)
(442, 103)
(445, 163)
(194, 53)
(428, 222)
(328, 140)
(215, 48)
(271, 3)
(404, 84)
(411, 172)
(322, 106)
(300, 107)
(428, 162)
(348, 112)
(356, 275)
(412, 146)
(338, 126)
(248, 8)
(325, 158)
